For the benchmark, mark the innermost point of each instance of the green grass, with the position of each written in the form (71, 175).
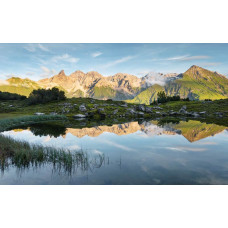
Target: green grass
(92, 105)
(23, 155)
(147, 96)
(108, 92)
(20, 107)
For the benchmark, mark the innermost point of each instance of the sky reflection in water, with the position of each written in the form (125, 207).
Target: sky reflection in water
(145, 153)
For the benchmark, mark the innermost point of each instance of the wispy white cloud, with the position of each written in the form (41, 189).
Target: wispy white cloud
(196, 57)
(122, 147)
(118, 61)
(96, 54)
(185, 149)
(184, 58)
(35, 47)
(176, 58)
(46, 72)
(65, 58)
(42, 47)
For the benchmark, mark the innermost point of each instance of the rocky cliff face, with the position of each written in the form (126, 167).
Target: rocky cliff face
(93, 84)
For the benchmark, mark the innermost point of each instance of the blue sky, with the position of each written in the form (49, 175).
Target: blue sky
(37, 61)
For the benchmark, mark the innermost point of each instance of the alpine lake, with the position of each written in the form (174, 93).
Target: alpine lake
(155, 151)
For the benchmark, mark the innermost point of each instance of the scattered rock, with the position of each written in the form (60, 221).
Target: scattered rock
(141, 107)
(124, 105)
(131, 111)
(39, 114)
(195, 114)
(140, 113)
(219, 114)
(158, 108)
(183, 110)
(82, 108)
(79, 116)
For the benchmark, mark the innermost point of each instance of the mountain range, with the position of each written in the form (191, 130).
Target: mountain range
(196, 83)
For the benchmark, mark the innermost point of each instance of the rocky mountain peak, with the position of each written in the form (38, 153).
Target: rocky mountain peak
(195, 71)
(62, 73)
(93, 73)
(77, 74)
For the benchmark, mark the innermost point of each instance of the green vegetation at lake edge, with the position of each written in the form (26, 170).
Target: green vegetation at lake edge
(23, 155)
(6, 124)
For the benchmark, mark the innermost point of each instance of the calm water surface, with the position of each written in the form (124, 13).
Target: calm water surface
(145, 152)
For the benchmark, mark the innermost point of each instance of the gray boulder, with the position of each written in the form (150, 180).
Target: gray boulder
(183, 110)
(158, 108)
(124, 105)
(140, 113)
(131, 111)
(141, 107)
(82, 108)
(39, 114)
(195, 114)
(79, 116)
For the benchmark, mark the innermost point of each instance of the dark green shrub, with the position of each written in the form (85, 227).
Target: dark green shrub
(11, 96)
(42, 96)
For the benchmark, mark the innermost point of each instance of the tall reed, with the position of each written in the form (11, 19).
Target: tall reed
(23, 155)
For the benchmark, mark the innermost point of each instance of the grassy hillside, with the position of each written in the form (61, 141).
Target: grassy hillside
(197, 84)
(108, 93)
(147, 96)
(19, 86)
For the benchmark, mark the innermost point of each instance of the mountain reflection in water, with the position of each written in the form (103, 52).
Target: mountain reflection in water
(192, 130)
(144, 152)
